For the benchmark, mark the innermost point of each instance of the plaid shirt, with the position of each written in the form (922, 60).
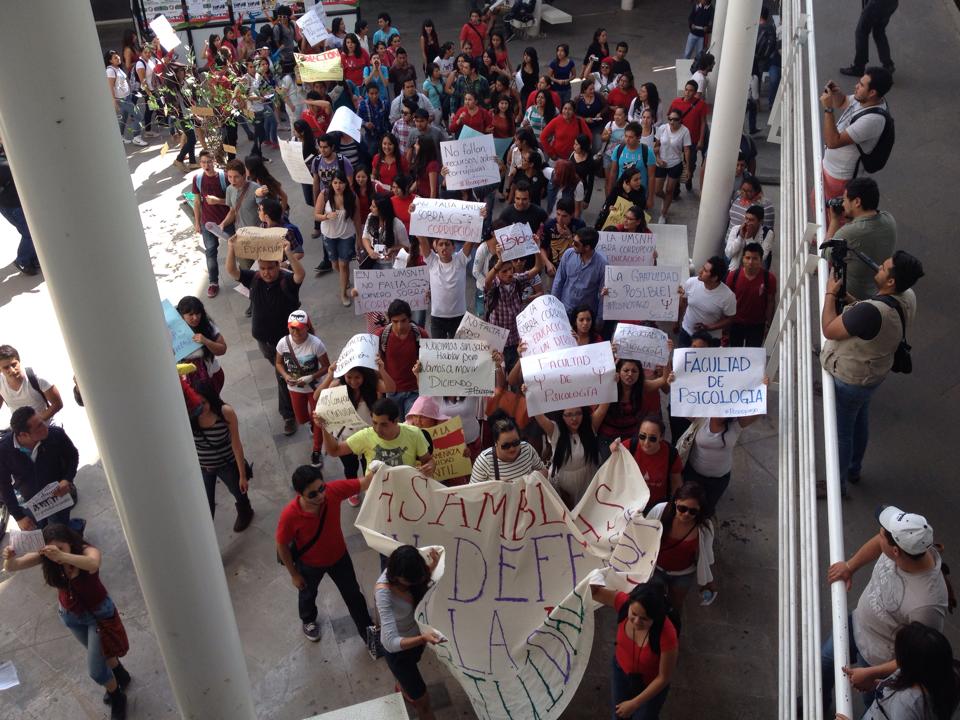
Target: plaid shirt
(510, 302)
(402, 128)
(376, 114)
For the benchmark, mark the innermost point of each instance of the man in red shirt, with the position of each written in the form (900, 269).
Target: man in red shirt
(209, 188)
(476, 32)
(400, 350)
(756, 291)
(311, 524)
(693, 114)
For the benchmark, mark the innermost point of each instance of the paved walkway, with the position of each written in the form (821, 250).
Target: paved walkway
(291, 677)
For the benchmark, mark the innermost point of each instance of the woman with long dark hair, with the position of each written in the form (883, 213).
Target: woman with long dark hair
(538, 115)
(576, 454)
(269, 185)
(388, 163)
(529, 73)
(304, 133)
(208, 335)
(425, 167)
(646, 650)
(335, 209)
(399, 589)
(581, 323)
(637, 397)
(561, 72)
(383, 234)
(429, 44)
(648, 98)
(598, 49)
(629, 186)
(72, 566)
(354, 59)
(363, 191)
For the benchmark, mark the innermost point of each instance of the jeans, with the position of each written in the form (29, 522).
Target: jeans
(694, 45)
(26, 253)
(83, 625)
(188, 151)
(344, 577)
(284, 406)
(853, 429)
(131, 115)
(211, 246)
(229, 474)
(625, 687)
(826, 668)
(773, 82)
(444, 328)
(270, 126)
(404, 400)
(874, 18)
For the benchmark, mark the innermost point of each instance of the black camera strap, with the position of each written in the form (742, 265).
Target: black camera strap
(894, 303)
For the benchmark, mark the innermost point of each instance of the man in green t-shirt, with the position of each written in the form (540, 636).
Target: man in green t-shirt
(388, 440)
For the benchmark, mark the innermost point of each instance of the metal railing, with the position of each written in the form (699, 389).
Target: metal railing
(796, 120)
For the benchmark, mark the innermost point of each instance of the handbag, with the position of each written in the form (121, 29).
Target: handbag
(685, 443)
(902, 362)
(113, 636)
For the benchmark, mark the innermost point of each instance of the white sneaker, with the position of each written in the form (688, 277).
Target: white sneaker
(139, 141)
(127, 141)
(661, 220)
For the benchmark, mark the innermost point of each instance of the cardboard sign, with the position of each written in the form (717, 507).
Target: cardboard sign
(618, 212)
(450, 219)
(470, 162)
(473, 328)
(27, 541)
(360, 351)
(181, 334)
(164, 31)
(291, 152)
(378, 288)
(319, 67)
(312, 25)
(450, 457)
(718, 382)
(620, 248)
(642, 293)
(511, 590)
(257, 243)
(544, 326)
(644, 344)
(346, 121)
(455, 368)
(337, 411)
(572, 377)
(516, 241)
(45, 503)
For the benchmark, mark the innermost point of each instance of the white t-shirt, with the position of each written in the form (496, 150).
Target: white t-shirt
(448, 285)
(467, 409)
(672, 144)
(339, 227)
(707, 306)
(308, 354)
(703, 84)
(481, 260)
(121, 87)
(712, 453)
(26, 396)
(293, 93)
(840, 162)
(149, 68)
(446, 66)
(894, 598)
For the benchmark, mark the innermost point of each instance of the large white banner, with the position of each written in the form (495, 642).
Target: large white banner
(451, 219)
(456, 368)
(378, 288)
(511, 590)
(544, 326)
(473, 328)
(471, 162)
(718, 382)
(621, 248)
(642, 293)
(644, 344)
(573, 377)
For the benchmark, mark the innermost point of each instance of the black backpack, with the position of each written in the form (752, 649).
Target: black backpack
(876, 159)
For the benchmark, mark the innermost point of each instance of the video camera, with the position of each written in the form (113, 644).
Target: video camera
(838, 258)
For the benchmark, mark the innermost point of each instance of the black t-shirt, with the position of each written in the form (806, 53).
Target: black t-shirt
(8, 191)
(272, 304)
(534, 216)
(863, 320)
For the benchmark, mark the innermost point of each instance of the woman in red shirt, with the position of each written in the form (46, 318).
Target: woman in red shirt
(637, 397)
(659, 462)
(558, 136)
(471, 115)
(425, 167)
(401, 198)
(354, 59)
(624, 93)
(388, 163)
(72, 566)
(504, 124)
(646, 650)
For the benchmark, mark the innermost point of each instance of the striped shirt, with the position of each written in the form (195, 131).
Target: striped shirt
(214, 447)
(527, 461)
(738, 210)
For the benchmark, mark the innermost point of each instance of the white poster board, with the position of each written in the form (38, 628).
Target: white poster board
(378, 288)
(450, 219)
(337, 411)
(718, 382)
(456, 368)
(572, 377)
(45, 503)
(471, 162)
(473, 328)
(360, 351)
(672, 245)
(291, 152)
(621, 248)
(642, 293)
(544, 326)
(165, 34)
(346, 121)
(27, 541)
(312, 25)
(644, 344)
(516, 241)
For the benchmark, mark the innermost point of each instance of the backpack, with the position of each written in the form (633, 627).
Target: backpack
(35, 384)
(876, 159)
(766, 46)
(902, 363)
(385, 336)
(220, 173)
(644, 154)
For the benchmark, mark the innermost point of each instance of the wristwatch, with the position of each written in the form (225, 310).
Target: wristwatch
(828, 110)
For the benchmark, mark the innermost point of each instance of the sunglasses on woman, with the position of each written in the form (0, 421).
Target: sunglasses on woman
(674, 119)
(644, 438)
(687, 510)
(510, 445)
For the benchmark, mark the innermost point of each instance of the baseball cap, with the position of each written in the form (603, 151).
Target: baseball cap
(910, 532)
(298, 318)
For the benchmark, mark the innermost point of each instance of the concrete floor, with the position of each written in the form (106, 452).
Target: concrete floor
(292, 678)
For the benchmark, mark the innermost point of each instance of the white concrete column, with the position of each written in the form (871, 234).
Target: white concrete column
(71, 172)
(730, 98)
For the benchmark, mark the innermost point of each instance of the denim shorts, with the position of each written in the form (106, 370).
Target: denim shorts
(340, 249)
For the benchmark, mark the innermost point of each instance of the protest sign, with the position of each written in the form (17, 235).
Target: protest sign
(319, 67)
(181, 334)
(642, 293)
(337, 411)
(511, 590)
(451, 219)
(312, 25)
(500, 145)
(544, 326)
(718, 382)
(291, 152)
(473, 328)
(400, 261)
(257, 243)
(172, 10)
(346, 121)
(470, 162)
(620, 248)
(618, 211)
(516, 241)
(645, 344)
(165, 34)
(360, 351)
(378, 288)
(672, 245)
(450, 457)
(571, 377)
(45, 503)
(28, 541)
(459, 368)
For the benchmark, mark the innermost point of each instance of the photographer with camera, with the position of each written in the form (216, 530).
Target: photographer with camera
(864, 343)
(869, 230)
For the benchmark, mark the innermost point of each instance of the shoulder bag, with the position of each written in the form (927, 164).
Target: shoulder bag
(297, 553)
(902, 363)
